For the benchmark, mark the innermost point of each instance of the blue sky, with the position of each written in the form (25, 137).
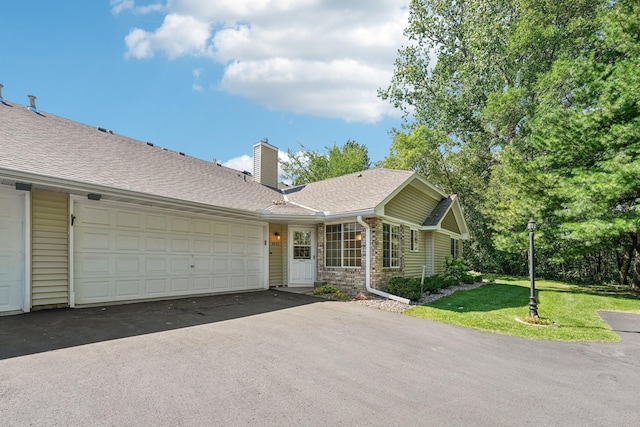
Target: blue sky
(210, 77)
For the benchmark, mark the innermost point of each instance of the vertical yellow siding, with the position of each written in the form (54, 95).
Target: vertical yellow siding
(441, 249)
(49, 249)
(449, 222)
(411, 205)
(265, 164)
(276, 264)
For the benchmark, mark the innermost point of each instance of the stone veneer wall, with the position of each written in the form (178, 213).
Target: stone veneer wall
(352, 280)
(380, 275)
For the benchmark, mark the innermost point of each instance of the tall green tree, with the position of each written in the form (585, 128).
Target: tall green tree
(311, 165)
(582, 177)
(469, 79)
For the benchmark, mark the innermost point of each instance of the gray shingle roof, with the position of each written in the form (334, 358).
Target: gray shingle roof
(349, 193)
(53, 147)
(438, 212)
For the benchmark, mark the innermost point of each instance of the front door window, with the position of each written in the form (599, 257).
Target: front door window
(301, 245)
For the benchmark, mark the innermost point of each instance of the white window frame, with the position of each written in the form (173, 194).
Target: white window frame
(398, 249)
(414, 240)
(358, 250)
(454, 247)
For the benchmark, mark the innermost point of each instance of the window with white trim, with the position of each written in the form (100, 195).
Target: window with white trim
(343, 245)
(415, 240)
(390, 246)
(454, 247)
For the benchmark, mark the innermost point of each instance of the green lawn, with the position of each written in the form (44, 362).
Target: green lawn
(495, 306)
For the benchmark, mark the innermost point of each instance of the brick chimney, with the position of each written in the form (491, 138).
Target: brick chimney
(265, 163)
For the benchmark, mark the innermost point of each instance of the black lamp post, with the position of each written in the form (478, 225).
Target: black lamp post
(533, 304)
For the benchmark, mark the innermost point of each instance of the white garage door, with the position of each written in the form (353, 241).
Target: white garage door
(11, 250)
(124, 253)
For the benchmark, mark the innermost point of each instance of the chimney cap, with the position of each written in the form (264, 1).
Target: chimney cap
(32, 104)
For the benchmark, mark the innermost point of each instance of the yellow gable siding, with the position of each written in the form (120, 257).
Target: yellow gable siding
(411, 205)
(49, 248)
(449, 222)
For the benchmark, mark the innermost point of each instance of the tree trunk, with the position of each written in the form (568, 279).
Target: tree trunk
(635, 285)
(627, 254)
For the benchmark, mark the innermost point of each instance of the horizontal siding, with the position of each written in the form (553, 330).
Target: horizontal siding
(276, 264)
(414, 261)
(411, 205)
(428, 247)
(449, 222)
(49, 249)
(441, 249)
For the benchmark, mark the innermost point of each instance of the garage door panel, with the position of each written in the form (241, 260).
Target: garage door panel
(155, 287)
(129, 242)
(94, 291)
(220, 265)
(155, 265)
(221, 283)
(237, 248)
(127, 288)
(202, 283)
(201, 227)
(92, 240)
(202, 265)
(138, 253)
(180, 225)
(156, 222)
(156, 243)
(180, 244)
(126, 219)
(220, 247)
(221, 229)
(125, 265)
(202, 246)
(93, 265)
(92, 215)
(180, 284)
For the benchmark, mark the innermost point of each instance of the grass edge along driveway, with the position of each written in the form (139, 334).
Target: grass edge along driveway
(494, 307)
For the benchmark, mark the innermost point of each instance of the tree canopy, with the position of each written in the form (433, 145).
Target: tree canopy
(527, 108)
(311, 165)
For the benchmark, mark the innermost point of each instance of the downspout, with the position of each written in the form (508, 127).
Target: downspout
(368, 267)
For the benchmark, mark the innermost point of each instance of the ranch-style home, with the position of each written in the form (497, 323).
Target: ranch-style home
(90, 217)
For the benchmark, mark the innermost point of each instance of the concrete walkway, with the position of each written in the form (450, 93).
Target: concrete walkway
(275, 358)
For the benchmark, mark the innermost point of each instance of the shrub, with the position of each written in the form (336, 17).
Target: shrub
(468, 279)
(325, 289)
(340, 296)
(433, 283)
(405, 287)
(455, 269)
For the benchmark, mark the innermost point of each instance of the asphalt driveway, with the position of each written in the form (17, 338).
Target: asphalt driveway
(272, 358)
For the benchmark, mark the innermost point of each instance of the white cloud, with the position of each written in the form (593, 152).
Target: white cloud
(242, 163)
(118, 6)
(245, 162)
(325, 58)
(177, 36)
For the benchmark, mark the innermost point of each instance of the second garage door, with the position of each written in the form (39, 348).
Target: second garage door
(124, 253)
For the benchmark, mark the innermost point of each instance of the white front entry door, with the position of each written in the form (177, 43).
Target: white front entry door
(11, 250)
(302, 256)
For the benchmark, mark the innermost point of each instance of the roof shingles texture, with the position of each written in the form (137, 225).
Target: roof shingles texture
(50, 146)
(349, 193)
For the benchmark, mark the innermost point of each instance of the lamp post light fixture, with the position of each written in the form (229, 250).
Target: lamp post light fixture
(533, 304)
